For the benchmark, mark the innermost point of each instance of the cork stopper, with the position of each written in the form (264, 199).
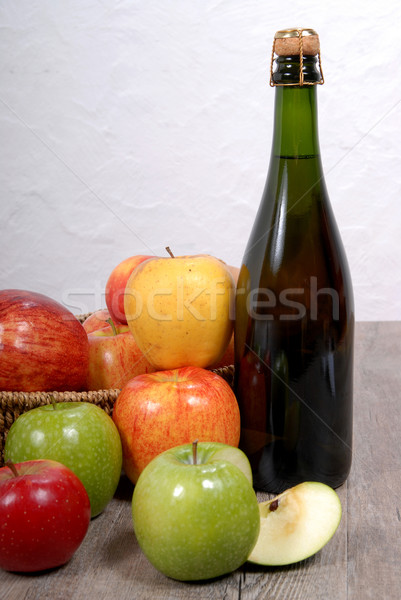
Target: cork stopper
(290, 42)
(296, 42)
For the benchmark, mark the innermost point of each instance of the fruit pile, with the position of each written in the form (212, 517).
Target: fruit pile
(174, 431)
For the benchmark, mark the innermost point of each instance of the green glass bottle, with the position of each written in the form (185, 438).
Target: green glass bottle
(294, 326)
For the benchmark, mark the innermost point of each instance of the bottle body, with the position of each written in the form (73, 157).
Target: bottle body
(294, 325)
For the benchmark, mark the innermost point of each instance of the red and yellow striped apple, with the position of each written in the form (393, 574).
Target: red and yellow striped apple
(114, 358)
(161, 410)
(96, 320)
(115, 286)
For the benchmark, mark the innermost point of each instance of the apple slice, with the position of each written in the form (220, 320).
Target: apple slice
(296, 524)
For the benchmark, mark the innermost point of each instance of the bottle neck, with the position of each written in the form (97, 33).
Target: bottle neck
(295, 115)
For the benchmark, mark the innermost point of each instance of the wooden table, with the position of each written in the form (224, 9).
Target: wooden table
(363, 559)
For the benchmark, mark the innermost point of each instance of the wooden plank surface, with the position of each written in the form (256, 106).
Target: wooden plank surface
(374, 488)
(363, 560)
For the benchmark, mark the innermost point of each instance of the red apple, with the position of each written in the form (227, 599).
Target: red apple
(43, 346)
(115, 286)
(165, 409)
(114, 358)
(44, 515)
(96, 320)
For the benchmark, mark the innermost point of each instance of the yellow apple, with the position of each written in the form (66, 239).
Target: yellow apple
(180, 310)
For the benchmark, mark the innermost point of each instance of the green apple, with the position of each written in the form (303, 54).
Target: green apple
(78, 434)
(296, 524)
(195, 512)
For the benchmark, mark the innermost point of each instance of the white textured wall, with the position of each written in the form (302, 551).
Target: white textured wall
(131, 125)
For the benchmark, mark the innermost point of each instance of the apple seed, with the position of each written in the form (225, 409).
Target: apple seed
(274, 505)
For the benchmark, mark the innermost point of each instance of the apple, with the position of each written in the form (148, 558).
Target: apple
(80, 435)
(116, 284)
(44, 515)
(195, 512)
(296, 524)
(158, 411)
(43, 346)
(180, 310)
(96, 320)
(114, 358)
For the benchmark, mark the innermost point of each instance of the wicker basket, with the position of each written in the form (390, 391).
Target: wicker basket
(13, 404)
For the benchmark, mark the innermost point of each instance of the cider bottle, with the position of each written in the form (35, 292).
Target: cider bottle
(294, 324)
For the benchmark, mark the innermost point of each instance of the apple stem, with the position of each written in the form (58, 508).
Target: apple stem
(169, 251)
(112, 324)
(12, 467)
(195, 452)
(53, 401)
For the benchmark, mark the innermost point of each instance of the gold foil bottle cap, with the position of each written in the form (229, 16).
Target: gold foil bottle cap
(288, 42)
